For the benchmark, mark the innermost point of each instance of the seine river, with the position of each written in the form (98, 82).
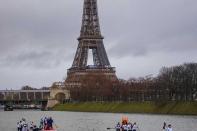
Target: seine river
(79, 121)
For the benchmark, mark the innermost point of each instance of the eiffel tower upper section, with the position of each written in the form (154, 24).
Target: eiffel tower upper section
(90, 39)
(90, 22)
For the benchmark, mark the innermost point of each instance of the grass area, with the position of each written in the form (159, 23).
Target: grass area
(181, 108)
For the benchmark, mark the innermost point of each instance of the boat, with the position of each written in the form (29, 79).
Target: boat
(50, 130)
(8, 108)
(37, 129)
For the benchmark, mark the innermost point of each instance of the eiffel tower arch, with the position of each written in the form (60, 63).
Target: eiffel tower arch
(90, 39)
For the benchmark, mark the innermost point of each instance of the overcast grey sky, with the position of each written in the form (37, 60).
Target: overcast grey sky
(38, 37)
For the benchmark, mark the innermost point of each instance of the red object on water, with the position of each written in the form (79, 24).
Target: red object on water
(124, 120)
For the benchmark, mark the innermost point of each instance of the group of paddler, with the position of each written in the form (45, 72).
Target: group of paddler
(46, 123)
(126, 125)
(23, 125)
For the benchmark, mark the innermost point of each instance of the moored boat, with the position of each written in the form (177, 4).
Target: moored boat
(8, 108)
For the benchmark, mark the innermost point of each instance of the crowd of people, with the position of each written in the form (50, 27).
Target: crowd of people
(46, 123)
(126, 126)
(23, 125)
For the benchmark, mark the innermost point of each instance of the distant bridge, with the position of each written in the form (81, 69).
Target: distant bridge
(46, 98)
(20, 96)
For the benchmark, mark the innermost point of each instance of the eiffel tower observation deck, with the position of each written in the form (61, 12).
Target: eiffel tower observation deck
(90, 40)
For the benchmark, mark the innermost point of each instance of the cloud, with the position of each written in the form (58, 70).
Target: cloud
(154, 26)
(34, 59)
(38, 37)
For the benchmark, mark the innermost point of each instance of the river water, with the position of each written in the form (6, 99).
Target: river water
(79, 121)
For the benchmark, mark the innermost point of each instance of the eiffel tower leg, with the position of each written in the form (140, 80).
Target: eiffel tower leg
(96, 57)
(77, 57)
(84, 57)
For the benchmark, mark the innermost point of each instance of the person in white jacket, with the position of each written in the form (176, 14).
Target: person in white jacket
(118, 127)
(135, 127)
(24, 125)
(169, 128)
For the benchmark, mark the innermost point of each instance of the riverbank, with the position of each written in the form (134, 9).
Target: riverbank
(178, 108)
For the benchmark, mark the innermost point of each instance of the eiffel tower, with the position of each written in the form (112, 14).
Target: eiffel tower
(90, 39)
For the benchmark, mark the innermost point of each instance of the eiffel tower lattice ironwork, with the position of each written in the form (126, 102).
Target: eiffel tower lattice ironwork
(90, 39)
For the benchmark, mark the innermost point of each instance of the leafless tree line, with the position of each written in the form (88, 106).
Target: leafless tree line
(177, 83)
(180, 81)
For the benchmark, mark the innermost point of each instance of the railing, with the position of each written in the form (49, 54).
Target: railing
(91, 67)
(17, 91)
(20, 95)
